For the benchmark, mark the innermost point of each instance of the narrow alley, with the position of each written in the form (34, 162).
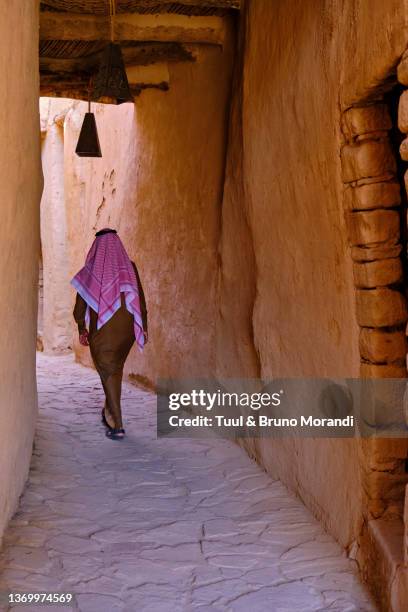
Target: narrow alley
(160, 525)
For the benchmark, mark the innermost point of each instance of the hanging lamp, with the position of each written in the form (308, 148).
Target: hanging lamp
(110, 82)
(88, 141)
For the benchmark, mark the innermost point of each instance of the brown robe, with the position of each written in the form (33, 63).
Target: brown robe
(110, 346)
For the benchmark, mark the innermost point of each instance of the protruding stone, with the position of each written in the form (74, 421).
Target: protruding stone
(372, 227)
(385, 251)
(365, 119)
(370, 370)
(380, 452)
(404, 149)
(367, 159)
(403, 113)
(374, 195)
(382, 347)
(388, 488)
(402, 71)
(380, 307)
(377, 273)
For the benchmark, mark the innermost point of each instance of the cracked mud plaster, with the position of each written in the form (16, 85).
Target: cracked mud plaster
(160, 525)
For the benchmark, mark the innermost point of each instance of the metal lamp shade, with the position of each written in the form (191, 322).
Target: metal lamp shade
(88, 141)
(110, 83)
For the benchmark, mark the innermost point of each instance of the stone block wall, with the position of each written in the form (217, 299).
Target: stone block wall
(374, 237)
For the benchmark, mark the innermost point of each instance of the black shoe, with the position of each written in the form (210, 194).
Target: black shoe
(115, 434)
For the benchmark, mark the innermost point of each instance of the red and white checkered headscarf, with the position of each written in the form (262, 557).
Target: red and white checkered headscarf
(108, 271)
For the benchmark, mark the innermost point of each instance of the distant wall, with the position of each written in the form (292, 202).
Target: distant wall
(20, 191)
(56, 302)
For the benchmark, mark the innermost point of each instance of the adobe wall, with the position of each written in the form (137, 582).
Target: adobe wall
(302, 64)
(20, 191)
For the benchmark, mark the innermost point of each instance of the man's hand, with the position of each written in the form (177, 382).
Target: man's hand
(84, 337)
(146, 336)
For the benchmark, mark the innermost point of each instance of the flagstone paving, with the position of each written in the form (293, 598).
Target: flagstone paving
(164, 525)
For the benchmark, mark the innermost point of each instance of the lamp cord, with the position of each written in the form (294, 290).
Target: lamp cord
(112, 12)
(90, 84)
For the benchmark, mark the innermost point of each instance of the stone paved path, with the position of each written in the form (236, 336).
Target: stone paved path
(146, 525)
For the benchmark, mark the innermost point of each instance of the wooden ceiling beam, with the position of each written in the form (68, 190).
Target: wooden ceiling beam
(76, 85)
(226, 4)
(78, 90)
(134, 5)
(140, 55)
(166, 27)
